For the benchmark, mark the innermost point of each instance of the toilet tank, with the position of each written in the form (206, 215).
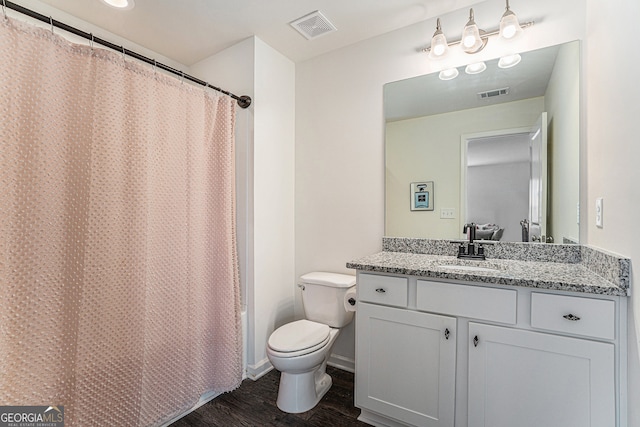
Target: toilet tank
(323, 297)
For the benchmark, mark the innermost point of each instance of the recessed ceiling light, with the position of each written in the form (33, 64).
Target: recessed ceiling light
(120, 4)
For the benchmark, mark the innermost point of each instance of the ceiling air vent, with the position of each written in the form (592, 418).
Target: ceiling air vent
(313, 25)
(493, 92)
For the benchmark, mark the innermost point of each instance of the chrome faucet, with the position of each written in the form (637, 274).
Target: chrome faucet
(470, 250)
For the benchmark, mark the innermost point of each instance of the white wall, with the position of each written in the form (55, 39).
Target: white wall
(340, 130)
(428, 149)
(273, 209)
(613, 149)
(265, 173)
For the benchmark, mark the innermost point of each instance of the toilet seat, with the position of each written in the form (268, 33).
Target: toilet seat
(298, 338)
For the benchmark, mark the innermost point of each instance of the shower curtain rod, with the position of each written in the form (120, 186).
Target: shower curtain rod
(244, 101)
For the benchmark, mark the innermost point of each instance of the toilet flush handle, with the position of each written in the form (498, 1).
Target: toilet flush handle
(301, 286)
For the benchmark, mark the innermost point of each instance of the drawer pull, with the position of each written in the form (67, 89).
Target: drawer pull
(571, 317)
(446, 333)
(380, 290)
(476, 341)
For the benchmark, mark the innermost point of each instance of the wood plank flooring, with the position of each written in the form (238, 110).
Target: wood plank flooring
(253, 404)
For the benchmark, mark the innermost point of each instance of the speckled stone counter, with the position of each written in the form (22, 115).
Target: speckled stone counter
(572, 268)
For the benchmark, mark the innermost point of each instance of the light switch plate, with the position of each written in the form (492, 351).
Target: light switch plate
(599, 212)
(447, 213)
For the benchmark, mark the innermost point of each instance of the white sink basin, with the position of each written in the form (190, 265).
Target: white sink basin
(469, 268)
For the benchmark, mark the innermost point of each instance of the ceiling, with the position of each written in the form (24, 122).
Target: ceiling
(189, 31)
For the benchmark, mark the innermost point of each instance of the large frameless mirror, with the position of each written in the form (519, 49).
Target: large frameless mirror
(501, 148)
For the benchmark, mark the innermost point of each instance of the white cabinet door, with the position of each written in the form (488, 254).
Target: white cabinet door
(530, 379)
(406, 365)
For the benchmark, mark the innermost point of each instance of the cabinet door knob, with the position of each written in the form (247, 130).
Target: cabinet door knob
(476, 341)
(571, 317)
(446, 333)
(380, 290)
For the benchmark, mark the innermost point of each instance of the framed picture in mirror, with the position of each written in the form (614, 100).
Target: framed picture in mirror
(422, 196)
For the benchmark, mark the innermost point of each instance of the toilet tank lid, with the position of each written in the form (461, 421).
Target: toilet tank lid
(336, 280)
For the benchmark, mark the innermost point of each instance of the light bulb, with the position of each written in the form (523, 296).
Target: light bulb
(471, 41)
(438, 50)
(439, 46)
(508, 31)
(509, 25)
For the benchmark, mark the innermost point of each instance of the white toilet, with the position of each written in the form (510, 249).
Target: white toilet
(300, 349)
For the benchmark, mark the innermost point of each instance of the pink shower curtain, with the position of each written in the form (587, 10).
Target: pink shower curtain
(119, 290)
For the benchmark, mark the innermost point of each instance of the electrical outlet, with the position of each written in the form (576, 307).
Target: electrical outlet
(447, 213)
(599, 212)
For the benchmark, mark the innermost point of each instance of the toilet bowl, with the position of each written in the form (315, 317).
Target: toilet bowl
(303, 378)
(300, 349)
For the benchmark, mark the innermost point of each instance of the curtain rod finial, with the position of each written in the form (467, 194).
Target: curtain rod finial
(244, 101)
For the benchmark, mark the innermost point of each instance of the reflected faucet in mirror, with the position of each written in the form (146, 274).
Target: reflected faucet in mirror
(525, 229)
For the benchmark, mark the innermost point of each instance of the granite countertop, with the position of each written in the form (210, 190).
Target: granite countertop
(562, 276)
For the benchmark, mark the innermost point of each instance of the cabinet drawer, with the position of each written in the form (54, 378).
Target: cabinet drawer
(574, 315)
(383, 289)
(475, 302)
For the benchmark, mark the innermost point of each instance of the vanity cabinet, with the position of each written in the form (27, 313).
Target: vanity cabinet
(441, 353)
(531, 379)
(406, 364)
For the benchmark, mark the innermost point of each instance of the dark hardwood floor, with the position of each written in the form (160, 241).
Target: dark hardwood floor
(254, 404)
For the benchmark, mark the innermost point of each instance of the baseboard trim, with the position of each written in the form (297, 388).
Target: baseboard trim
(377, 420)
(258, 370)
(345, 363)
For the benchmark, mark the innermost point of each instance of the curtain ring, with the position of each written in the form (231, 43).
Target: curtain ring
(123, 57)
(4, 8)
(182, 78)
(51, 22)
(91, 43)
(154, 66)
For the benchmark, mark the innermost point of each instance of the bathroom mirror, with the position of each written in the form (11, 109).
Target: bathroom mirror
(439, 131)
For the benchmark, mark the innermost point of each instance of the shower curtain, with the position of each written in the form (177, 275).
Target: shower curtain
(119, 289)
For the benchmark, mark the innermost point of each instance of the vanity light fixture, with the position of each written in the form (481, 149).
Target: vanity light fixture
(439, 46)
(448, 74)
(120, 4)
(475, 68)
(509, 26)
(471, 40)
(509, 61)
